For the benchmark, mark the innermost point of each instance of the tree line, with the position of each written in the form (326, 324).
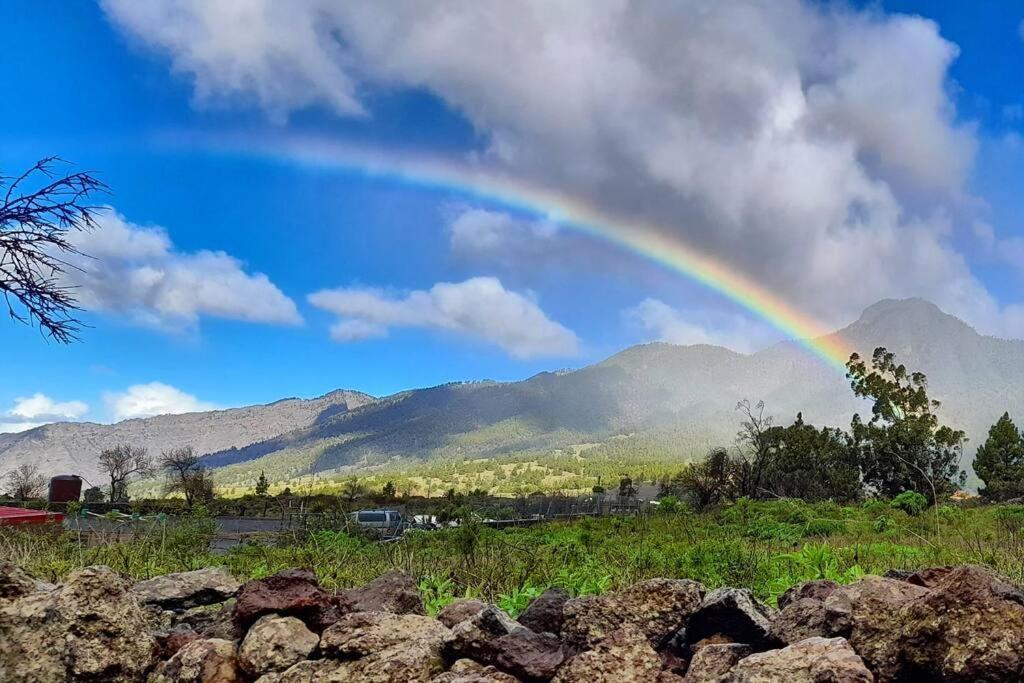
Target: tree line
(901, 447)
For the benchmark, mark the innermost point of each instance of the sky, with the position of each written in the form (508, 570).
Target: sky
(296, 199)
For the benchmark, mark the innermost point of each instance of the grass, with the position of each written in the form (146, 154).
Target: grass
(764, 546)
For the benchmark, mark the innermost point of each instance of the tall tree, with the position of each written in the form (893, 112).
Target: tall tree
(186, 474)
(999, 461)
(25, 482)
(754, 444)
(903, 447)
(121, 463)
(811, 463)
(262, 485)
(38, 210)
(707, 482)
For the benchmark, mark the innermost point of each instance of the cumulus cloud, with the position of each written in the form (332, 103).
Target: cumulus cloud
(661, 322)
(480, 308)
(135, 271)
(815, 147)
(154, 398)
(39, 409)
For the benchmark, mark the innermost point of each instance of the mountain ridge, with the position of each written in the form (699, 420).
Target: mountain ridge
(680, 395)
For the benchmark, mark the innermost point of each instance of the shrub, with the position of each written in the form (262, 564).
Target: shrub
(911, 502)
(669, 505)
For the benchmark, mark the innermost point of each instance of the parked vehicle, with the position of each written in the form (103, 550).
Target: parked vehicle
(386, 522)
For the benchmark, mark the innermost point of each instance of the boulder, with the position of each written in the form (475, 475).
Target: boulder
(968, 627)
(201, 661)
(734, 614)
(275, 643)
(818, 589)
(475, 638)
(395, 592)
(15, 582)
(215, 621)
(623, 656)
(867, 613)
(88, 629)
(528, 655)
(802, 611)
(929, 577)
(293, 593)
(365, 633)
(711, 662)
(815, 660)
(658, 608)
(544, 613)
(186, 589)
(377, 646)
(468, 671)
(458, 611)
(800, 619)
(170, 640)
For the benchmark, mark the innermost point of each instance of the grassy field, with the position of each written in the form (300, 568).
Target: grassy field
(766, 547)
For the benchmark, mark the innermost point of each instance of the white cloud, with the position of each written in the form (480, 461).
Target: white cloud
(40, 409)
(154, 398)
(662, 322)
(135, 271)
(480, 307)
(814, 147)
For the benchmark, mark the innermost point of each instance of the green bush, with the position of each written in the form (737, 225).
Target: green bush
(911, 502)
(669, 505)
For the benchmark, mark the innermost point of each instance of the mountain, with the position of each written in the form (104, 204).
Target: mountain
(72, 447)
(677, 400)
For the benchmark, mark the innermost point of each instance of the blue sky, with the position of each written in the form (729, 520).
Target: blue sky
(843, 154)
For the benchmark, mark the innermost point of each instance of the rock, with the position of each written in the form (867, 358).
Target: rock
(818, 589)
(186, 589)
(735, 614)
(815, 660)
(867, 613)
(169, 641)
(802, 612)
(215, 621)
(624, 656)
(475, 637)
(380, 647)
(275, 643)
(799, 620)
(201, 661)
(15, 582)
(528, 655)
(458, 611)
(89, 629)
(713, 661)
(932, 576)
(468, 671)
(968, 627)
(365, 633)
(293, 593)
(395, 592)
(657, 608)
(544, 613)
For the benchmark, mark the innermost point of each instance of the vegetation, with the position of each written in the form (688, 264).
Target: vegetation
(1000, 461)
(25, 482)
(120, 464)
(764, 545)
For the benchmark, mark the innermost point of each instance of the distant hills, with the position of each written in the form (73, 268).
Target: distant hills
(676, 399)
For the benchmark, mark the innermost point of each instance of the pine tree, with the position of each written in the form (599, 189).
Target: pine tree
(262, 485)
(1000, 461)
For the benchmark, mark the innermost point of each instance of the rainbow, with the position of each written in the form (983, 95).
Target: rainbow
(639, 238)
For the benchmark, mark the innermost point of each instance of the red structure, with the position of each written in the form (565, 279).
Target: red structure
(12, 516)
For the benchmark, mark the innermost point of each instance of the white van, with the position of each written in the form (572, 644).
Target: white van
(386, 522)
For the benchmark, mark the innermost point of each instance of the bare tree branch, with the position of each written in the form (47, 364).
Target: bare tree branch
(34, 244)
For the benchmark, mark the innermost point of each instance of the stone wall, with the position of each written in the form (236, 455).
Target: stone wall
(942, 624)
